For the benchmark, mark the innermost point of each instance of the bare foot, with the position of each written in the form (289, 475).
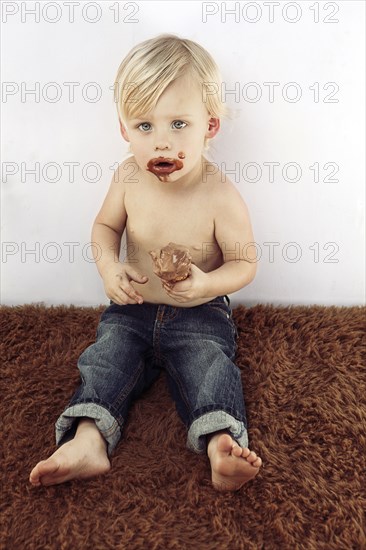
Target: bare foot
(231, 465)
(83, 457)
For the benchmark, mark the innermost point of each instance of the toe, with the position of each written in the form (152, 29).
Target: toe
(38, 484)
(34, 480)
(257, 463)
(236, 451)
(34, 476)
(251, 457)
(245, 452)
(224, 443)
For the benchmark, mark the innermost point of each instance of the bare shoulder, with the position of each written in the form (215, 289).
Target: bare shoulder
(123, 174)
(227, 197)
(127, 171)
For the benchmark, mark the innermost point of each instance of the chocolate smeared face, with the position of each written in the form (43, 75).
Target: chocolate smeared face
(162, 166)
(167, 137)
(172, 263)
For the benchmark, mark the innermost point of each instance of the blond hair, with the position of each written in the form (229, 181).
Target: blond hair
(152, 65)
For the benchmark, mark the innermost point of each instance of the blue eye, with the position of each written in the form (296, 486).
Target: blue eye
(143, 125)
(179, 122)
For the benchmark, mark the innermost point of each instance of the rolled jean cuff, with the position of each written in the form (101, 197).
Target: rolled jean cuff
(105, 422)
(213, 422)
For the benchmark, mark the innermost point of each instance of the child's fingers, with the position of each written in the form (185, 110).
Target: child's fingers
(119, 288)
(134, 276)
(122, 299)
(133, 295)
(127, 294)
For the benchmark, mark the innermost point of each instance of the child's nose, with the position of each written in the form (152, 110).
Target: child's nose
(162, 141)
(162, 145)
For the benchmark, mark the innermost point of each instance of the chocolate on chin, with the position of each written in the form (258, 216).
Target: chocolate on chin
(172, 263)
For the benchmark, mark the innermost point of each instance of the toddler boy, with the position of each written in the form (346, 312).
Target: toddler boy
(166, 192)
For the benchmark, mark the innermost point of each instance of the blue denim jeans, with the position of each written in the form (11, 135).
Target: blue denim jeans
(195, 346)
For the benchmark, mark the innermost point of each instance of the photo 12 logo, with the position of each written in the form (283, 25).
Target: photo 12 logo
(70, 12)
(270, 12)
(91, 252)
(69, 171)
(272, 172)
(290, 252)
(291, 92)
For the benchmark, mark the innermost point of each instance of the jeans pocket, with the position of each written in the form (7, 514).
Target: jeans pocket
(226, 311)
(221, 306)
(222, 309)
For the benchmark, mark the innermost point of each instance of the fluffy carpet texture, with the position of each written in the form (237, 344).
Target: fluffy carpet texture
(303, 370)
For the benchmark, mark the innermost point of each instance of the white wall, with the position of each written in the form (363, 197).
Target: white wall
(320, 221)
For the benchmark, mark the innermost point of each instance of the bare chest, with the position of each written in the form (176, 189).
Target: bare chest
(154, 219)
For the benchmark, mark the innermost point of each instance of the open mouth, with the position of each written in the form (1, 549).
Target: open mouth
(162, 165)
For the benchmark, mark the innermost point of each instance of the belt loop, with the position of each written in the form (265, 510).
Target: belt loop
(228, 299)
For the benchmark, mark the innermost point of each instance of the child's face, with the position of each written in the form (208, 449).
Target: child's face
(175, 130)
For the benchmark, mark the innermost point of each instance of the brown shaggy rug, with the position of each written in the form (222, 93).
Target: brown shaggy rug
(303, 370)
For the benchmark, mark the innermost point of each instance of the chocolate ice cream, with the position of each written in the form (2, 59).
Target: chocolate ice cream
(172, 263)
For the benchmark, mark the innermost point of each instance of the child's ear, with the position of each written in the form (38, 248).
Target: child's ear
(213, 127)
(123, 131)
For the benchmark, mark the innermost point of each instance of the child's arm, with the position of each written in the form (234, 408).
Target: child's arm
(233, 233)
(107, 232)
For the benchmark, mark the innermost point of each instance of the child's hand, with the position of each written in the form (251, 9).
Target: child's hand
(192, 288)
(117, 284)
